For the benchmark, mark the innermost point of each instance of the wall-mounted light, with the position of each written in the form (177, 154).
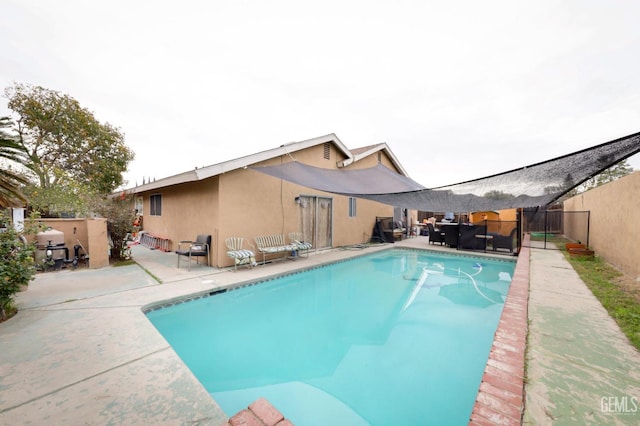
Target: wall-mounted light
(297, 200)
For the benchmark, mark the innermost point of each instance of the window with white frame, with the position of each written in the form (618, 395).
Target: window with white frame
(352, 207)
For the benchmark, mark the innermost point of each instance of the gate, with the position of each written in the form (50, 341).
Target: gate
(545, 225)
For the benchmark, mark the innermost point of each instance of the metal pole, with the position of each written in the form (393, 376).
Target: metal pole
(545, 228)
(588, 225)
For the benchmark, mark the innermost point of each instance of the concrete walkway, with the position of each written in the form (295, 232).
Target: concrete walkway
(80, 351)
(581, 369)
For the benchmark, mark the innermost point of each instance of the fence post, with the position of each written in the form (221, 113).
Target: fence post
(588, 225)
(545, 228)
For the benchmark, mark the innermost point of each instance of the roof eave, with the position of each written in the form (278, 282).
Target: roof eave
(375, 148)
(178, 179)
(241, 163)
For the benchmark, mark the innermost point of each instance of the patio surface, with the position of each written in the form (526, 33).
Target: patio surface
(80, 351)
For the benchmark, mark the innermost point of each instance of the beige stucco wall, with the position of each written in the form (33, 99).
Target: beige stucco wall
(257, 204)
(614, 218)
(269, 207)
(187, 210)
(91, 233)
(246, 203)
(97, 243)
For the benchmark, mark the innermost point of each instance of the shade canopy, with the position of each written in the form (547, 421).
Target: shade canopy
(536, 185)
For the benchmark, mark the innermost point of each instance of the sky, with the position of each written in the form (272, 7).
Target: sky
(458, 90)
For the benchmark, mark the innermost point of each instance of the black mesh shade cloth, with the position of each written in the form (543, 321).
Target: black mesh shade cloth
(537, 185)
(377, 180)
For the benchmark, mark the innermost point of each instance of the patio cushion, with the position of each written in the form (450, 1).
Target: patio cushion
(240, 254)
(277, 249)
(301, 245)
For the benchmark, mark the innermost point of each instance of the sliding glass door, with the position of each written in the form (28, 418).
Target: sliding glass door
(317, 220)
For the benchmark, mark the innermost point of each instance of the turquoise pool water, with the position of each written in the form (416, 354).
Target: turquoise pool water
(395, 337)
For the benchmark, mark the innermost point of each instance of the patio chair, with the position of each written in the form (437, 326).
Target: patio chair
(435, 236)
(297, 239)
(198, 248)
(451, 235)
(467, 237)
(399, 227)
(507, 242)
(240, 255)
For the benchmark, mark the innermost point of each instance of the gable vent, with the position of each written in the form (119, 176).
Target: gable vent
(327, 150)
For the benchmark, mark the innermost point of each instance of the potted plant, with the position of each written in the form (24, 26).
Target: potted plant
(578, 245)
(582, 252)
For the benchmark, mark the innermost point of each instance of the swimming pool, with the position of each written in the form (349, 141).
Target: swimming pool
(395, 337)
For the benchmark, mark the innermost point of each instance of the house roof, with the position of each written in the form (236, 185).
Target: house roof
(352, 156)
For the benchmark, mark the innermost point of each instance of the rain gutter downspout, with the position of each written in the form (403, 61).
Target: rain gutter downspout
(345, 163)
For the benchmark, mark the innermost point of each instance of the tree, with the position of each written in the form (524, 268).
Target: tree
(498, 195)
(10, 180)
(69, 152)
(609, 175)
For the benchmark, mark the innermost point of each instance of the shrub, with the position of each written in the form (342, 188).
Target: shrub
(120, 217)
(17, 267)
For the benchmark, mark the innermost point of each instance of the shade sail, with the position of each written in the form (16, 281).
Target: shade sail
(374, 180)
(537, 185)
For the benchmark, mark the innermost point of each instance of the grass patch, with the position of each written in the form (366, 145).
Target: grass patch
(550, 238)
(618, 293)
(159, 281)
(123, 263)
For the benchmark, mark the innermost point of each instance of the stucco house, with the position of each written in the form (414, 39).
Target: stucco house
(231, 199)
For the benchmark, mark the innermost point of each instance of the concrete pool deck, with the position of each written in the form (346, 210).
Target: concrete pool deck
(81, 351)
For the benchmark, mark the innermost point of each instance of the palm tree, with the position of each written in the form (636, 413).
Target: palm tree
(10, 181)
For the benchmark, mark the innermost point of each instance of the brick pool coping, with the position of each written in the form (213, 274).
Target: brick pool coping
(500, 399)
(259, 413)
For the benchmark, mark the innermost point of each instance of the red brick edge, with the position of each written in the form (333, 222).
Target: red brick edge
(259, 413)
(500, 399)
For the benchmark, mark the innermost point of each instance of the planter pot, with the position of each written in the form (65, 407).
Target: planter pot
(570, 246)
(581, 252)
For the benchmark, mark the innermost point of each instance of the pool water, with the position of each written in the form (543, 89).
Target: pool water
(395, 337)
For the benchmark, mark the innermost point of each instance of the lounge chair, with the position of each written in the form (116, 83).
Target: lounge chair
(240, 255)
(435, 236)
(297, 239)
(198, 248)
(273, 244)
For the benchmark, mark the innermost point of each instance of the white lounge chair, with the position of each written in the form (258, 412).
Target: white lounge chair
(238, 253)
(297, 239)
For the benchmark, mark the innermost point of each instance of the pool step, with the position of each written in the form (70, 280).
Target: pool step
(259, 413)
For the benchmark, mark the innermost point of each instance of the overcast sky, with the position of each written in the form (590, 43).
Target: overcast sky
(458, 90)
